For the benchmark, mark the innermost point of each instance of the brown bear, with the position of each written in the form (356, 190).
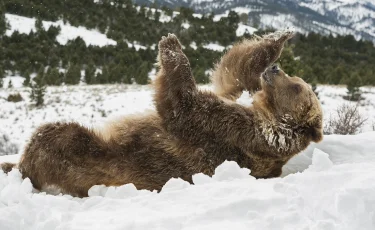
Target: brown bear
(191, 132)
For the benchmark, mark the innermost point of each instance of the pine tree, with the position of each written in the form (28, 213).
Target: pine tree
(38, 88)
(73, 75)
(10, 84)
(314, 87)
(353, 84)
(26, 82)
(1, 83)
(38, 24)
(102, 78)
(142, 76)
(2, 19)
(53, 77)
(200, 75)
(90, 74)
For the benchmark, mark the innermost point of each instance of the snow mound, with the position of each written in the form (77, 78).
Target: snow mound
(229, 170)
(175, 184)
(320, 161)
(330, 194)
(26, 25)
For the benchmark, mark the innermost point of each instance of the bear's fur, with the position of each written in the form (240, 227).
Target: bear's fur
(193, 131)
(240, 68)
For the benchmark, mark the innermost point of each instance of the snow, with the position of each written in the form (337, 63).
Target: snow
(185, 25)
(330, 185)
(26, 25)
(242, 29)
(214, 47)
(326, 195)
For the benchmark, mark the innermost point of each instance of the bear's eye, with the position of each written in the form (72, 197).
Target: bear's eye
(297, 88)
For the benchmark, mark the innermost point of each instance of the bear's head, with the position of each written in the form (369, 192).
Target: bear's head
(290, 101)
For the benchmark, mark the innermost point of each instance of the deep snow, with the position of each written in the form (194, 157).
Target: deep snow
(335, 191)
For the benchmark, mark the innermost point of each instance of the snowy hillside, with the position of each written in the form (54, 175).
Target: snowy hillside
(323, 16)
(68, 32)
(328, 186)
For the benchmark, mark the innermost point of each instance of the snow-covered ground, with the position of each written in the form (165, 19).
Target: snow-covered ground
(328, 186)
(93, 105)
(331, 191)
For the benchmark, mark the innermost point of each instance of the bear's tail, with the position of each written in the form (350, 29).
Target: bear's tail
(7, 167)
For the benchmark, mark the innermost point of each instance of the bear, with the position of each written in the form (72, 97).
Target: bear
(191, 131)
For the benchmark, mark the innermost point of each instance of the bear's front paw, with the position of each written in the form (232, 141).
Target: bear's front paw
(170, 53)
(170, 42)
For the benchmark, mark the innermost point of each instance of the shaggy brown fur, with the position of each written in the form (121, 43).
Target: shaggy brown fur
(240, 68)
(193, 132)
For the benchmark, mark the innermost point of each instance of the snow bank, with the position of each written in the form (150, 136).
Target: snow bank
(327, 195)
(68, 32)
(341, 149)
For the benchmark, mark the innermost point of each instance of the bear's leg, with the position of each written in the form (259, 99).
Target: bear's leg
(188, 113)
(174, 85)
(66, 156)
(241, 67)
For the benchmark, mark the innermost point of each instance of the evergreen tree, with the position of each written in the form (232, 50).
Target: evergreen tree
(200, 75)
(1, 83)
(53, 77)
(289, 64)
(1, 67)
(10, 84)
(90, 74)
(2, 19)
(26, 82)
(314, 87)
(38, 88)
(73, 75)
(142, 74)
(353, 84)
(38, 24)
(102, 78)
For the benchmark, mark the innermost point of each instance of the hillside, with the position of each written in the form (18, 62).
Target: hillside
(337, 17)
(52, 39)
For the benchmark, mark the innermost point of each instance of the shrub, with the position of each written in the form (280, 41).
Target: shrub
(6, 146)
(15, 97)
(347, 120)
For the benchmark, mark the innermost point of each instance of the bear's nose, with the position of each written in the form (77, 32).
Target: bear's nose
(274, 69)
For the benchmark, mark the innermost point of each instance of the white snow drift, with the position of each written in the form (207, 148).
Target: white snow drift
(329, 194)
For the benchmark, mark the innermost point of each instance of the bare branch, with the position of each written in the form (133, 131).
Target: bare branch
(347, 120)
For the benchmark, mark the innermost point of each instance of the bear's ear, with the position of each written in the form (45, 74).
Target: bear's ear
(316, 134)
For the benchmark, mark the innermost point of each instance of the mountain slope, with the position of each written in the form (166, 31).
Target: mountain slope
(323, 16)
